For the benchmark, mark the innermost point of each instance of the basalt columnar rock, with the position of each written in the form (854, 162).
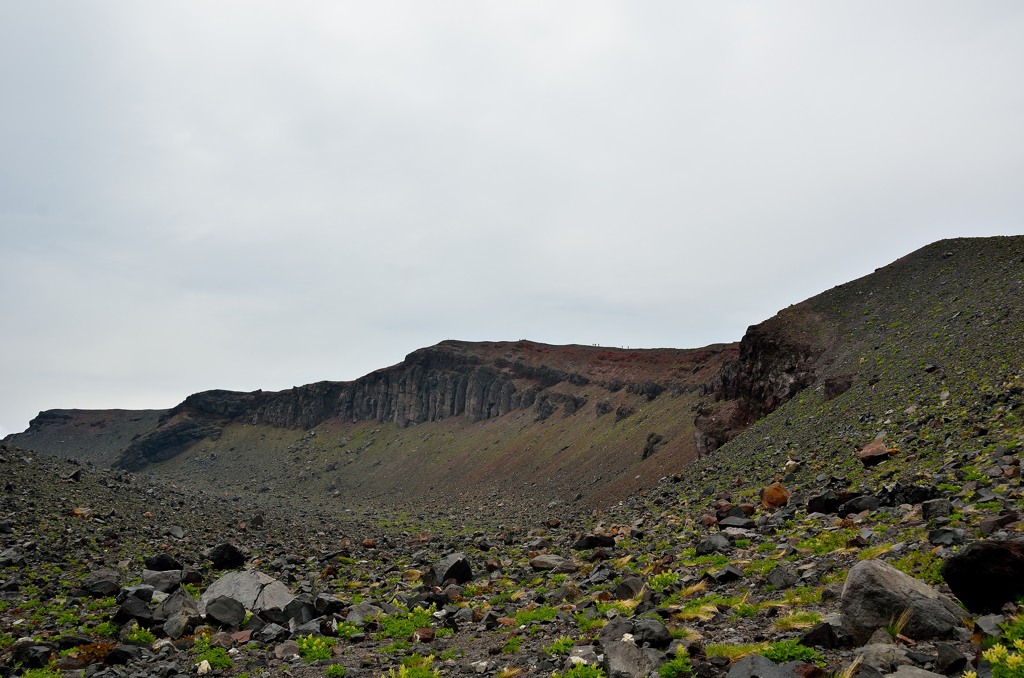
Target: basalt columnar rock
(473, 381)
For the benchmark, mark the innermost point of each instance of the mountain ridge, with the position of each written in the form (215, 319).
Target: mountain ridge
(617, 409)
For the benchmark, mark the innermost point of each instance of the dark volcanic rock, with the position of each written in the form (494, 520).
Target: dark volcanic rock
(163, 562)
(133, 608)
(31, 654)
(227, 611)
(593, 541)
(827, 636)
(625, 660)
(857, 505)
(454, 566)
(649, 631)
(714, 543)
(772, 367)
(550, 561)
(756, 666)
(12, 557)
(431, 384)
(101, 583)
(781, 578)
(986, 574)
(165, 581)
(826, 502)
(946, 536)
(178, 612)
(936, 508)
(225, 556)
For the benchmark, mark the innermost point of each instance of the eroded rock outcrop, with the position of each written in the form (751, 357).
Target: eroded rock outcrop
(776, 360)
(452, 379)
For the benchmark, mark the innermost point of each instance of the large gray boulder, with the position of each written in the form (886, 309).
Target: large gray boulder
(265, 596)
(623, 659)
(876, 594)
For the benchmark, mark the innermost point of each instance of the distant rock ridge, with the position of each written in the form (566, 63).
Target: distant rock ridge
(930, 318)
(473, 380)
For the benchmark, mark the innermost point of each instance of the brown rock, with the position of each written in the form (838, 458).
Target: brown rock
(774, 496)
(424, 635)
(875, 453)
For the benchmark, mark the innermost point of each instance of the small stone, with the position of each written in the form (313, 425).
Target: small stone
(874, 453)
(715, 543)
(593, 541)
(101, 583)
(550, 561)
(936, 508)
(424, 635)
(946, 536)
(781, 578)
(735, 521)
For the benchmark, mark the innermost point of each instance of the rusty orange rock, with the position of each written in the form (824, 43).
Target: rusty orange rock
(774, 496)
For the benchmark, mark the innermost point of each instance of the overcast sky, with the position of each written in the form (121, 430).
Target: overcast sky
(247, 195)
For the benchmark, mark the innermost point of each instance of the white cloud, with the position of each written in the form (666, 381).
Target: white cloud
(244, 195)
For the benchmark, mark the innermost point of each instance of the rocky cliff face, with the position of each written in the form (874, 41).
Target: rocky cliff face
(777, 359)
(474, 381)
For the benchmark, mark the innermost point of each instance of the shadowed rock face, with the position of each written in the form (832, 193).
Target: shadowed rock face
(986, 574)
(774, 364)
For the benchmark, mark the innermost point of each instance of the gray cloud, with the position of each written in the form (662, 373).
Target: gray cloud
(248, 195)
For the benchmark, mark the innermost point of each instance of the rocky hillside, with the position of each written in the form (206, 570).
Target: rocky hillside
(594, 424)
(95, 436)
(855, 510)
(488, 416)
(105, 573)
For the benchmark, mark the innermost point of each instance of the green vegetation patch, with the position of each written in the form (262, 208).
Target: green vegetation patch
(540, 614)
(581, 671)
(315, 648)
(783, 651)
(402, 626)
(676, 668)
